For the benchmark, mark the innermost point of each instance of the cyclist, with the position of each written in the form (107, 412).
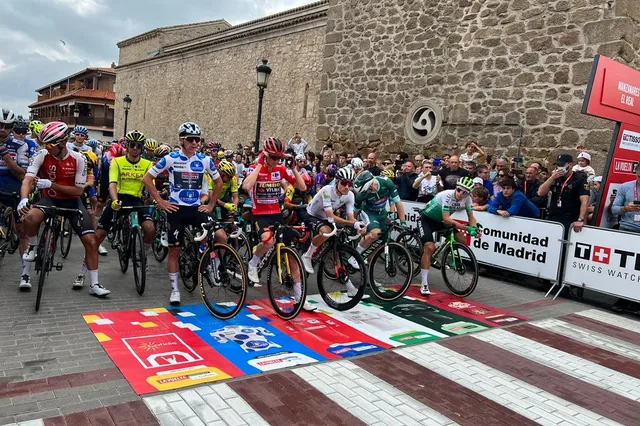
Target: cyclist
(150, 146)
(61, 175)
(95, 146)
(372, 195)
(32, 127)
(227, 202)
(186, 177)
(20, 129)
(263, 182)
(357, 165)
(296, 201)
(14, 161)
(80, 135)
(436, 216)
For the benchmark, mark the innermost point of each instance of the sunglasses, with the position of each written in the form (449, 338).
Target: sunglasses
(136, 146)
(20, 132)
(346, 183)
(386, 163)
(275, 157)
(192, 139)
(462, 191)
(51, 145)
(501, 175)
(6, 126)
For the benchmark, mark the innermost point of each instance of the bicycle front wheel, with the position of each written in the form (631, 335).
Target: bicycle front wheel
(412, 242)
(45, 249)
(65, 238)
(242, 246)
(159, 251)
(12, 236)
(138, 259)
(287, 285)
(123, 245)
(387, 279)
(189, 262)
(340, 284)
(459, 269)
(222, 279)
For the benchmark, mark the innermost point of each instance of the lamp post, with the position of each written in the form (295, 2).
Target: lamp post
(76, 114)
(127, 104)
(263, 71)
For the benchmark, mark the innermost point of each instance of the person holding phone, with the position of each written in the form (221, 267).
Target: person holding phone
(627, 204)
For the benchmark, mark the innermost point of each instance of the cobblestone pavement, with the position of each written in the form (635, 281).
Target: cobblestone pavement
(570, 365)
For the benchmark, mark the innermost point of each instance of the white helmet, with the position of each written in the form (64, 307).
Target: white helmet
(301, 157)
(346, 173)
(189, 129)
(357, 163)
(7, 116)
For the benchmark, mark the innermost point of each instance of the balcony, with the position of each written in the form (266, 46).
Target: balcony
(83, 121)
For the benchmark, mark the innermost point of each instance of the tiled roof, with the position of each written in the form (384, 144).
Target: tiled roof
(72, 76)
(106, 95)
(111, 70)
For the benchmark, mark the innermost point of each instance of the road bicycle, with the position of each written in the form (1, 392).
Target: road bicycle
(411, 240)
(9, 239)
(222, 276)
(46, 250)
(159, 250)
(66, 235)
(129, 244)
(456, 261)
(188, 260)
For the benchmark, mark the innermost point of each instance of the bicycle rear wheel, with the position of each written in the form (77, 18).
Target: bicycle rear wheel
(159, 251)
(122, 248)
(189, 262)
(65, 238)
(459, 269)
(387, 280)
(334, 287)
(45, 248)
(242, 246)
(285, 296)
(222, 279)
(12, 236)
(412, 242)
(139, 260)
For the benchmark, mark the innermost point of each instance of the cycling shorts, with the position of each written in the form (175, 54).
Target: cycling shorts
(178, 221)
(81, 224)
(426, 228)
(315, 223)
(376, 220)
(264, 221)
(106, 221)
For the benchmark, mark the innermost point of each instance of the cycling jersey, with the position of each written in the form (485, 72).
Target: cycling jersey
(266, 191)
(445, 202)
(73, 147)
(68, 171)
(19, 152)
(328, 198)
(250, 339)
(128, 176)
(186, 176)
(295, 196)
(376, 202)
(33, 147)
(228, 188)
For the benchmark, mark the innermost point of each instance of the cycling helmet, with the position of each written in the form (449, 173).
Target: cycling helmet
(273, 146)
(122, 142)
(188, 129)
(220, 154)
(228, 153)
(116, 150)
(20, 124)
(362, 182)
(36, 129)
(33, 124)
(135, 136)
(346, 173)
(357, 163)
(89, 158)
(465, 182)
(301, 157)
(332, 169)
(93, 143)
(227, 168)
(106, 144)
(162, 151)
(7, 116)
(308, 181)
(388, 173)
(151, 144)
(81, 130)
(54, 133)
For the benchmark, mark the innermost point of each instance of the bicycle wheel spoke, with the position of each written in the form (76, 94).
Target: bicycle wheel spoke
(286, 285)
(341, 285)
(222, 280)
(460, 270)
(388, 280)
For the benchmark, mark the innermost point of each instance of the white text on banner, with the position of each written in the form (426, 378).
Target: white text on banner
(528, 246)
(604, 260)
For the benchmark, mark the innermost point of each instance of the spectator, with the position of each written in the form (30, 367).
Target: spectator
(543, 174)
(426, 183)
(480, 198)
(477, 182)
(501, 165)
(450, 175)
(418, 160)
(470, 167)
(445, 160)
(593, 197)
(483, 173)
(387, 165)
(584, 161)
(297, 144)
(530, 187)
(239, 167)
(349, 157)
(342, 159)
(405, 179)
(497, 182)
(569, 195)
(512, 202)
(372, 164)
(472, 154)
(536, 166)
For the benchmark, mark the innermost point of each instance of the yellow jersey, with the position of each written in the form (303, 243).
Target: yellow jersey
(128, 176)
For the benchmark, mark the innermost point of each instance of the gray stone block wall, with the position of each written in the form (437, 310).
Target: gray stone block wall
(491, 65)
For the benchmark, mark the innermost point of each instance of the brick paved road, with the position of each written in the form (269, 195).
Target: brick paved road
(562, 367)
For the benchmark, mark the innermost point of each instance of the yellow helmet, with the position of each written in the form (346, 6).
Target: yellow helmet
(151, 144)
(91, 158)
(388, 173)
(220, 154)
(135, 136)
(36, 129)
(227, 168)
(33, 124)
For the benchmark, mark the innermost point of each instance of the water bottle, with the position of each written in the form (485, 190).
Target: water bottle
(201, 249)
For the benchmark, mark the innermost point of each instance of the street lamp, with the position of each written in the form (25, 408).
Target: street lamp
(76, 114)
(127, 105)
(263, 71)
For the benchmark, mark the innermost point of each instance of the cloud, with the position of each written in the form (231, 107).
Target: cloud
(31, 30)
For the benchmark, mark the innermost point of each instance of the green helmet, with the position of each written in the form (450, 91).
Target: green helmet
(465, 182)
(362, 182)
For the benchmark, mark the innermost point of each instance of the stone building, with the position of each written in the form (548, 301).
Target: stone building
(393, 75)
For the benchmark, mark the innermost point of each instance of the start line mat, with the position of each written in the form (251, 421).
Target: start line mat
(169, 348)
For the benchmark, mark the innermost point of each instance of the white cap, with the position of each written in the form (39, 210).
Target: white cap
(585, 155)
(478, 180)
(597, 179)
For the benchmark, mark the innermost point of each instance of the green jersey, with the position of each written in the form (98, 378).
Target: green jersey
(445, 201)
(377, 201)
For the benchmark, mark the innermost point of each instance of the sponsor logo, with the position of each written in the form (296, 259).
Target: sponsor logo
(625, 166)
(459, 305)
(197, 166)
(630, 140)
(478, 311)
(614, 262)
(275, 176)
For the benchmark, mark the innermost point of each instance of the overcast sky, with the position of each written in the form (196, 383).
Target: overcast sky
(33, 55)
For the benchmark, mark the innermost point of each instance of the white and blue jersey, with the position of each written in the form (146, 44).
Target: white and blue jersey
(186, 176)
(73, 147)
(33, 147)
(19, 152)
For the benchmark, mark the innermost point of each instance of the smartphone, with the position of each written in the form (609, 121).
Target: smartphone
(636, 202)
(517, 172)
(614, 192)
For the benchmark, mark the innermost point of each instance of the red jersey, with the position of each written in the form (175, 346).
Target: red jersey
(265, 194)
(68, 171)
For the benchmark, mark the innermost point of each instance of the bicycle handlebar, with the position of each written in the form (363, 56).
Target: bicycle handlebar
(205, 231)
(332, 233)
(57, 209)
(150, 207)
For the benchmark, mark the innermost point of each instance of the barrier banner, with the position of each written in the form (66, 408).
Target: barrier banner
(528, 246)
(604, 260)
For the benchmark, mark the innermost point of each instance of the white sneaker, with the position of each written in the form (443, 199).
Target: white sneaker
(102, 251)
(78, 283)
(174, 299)
(353, 262)
(25, 285)
(30, 254)
(307, 307)
(424, 290)
(98, 290)
(351, 289)
(306, 262)
(252, 273)
(164, 239)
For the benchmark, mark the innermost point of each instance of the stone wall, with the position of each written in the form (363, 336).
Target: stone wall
(217, 89)
(492, 66)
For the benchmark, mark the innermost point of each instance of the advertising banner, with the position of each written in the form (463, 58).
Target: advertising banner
(604, 260)
(528, 246)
